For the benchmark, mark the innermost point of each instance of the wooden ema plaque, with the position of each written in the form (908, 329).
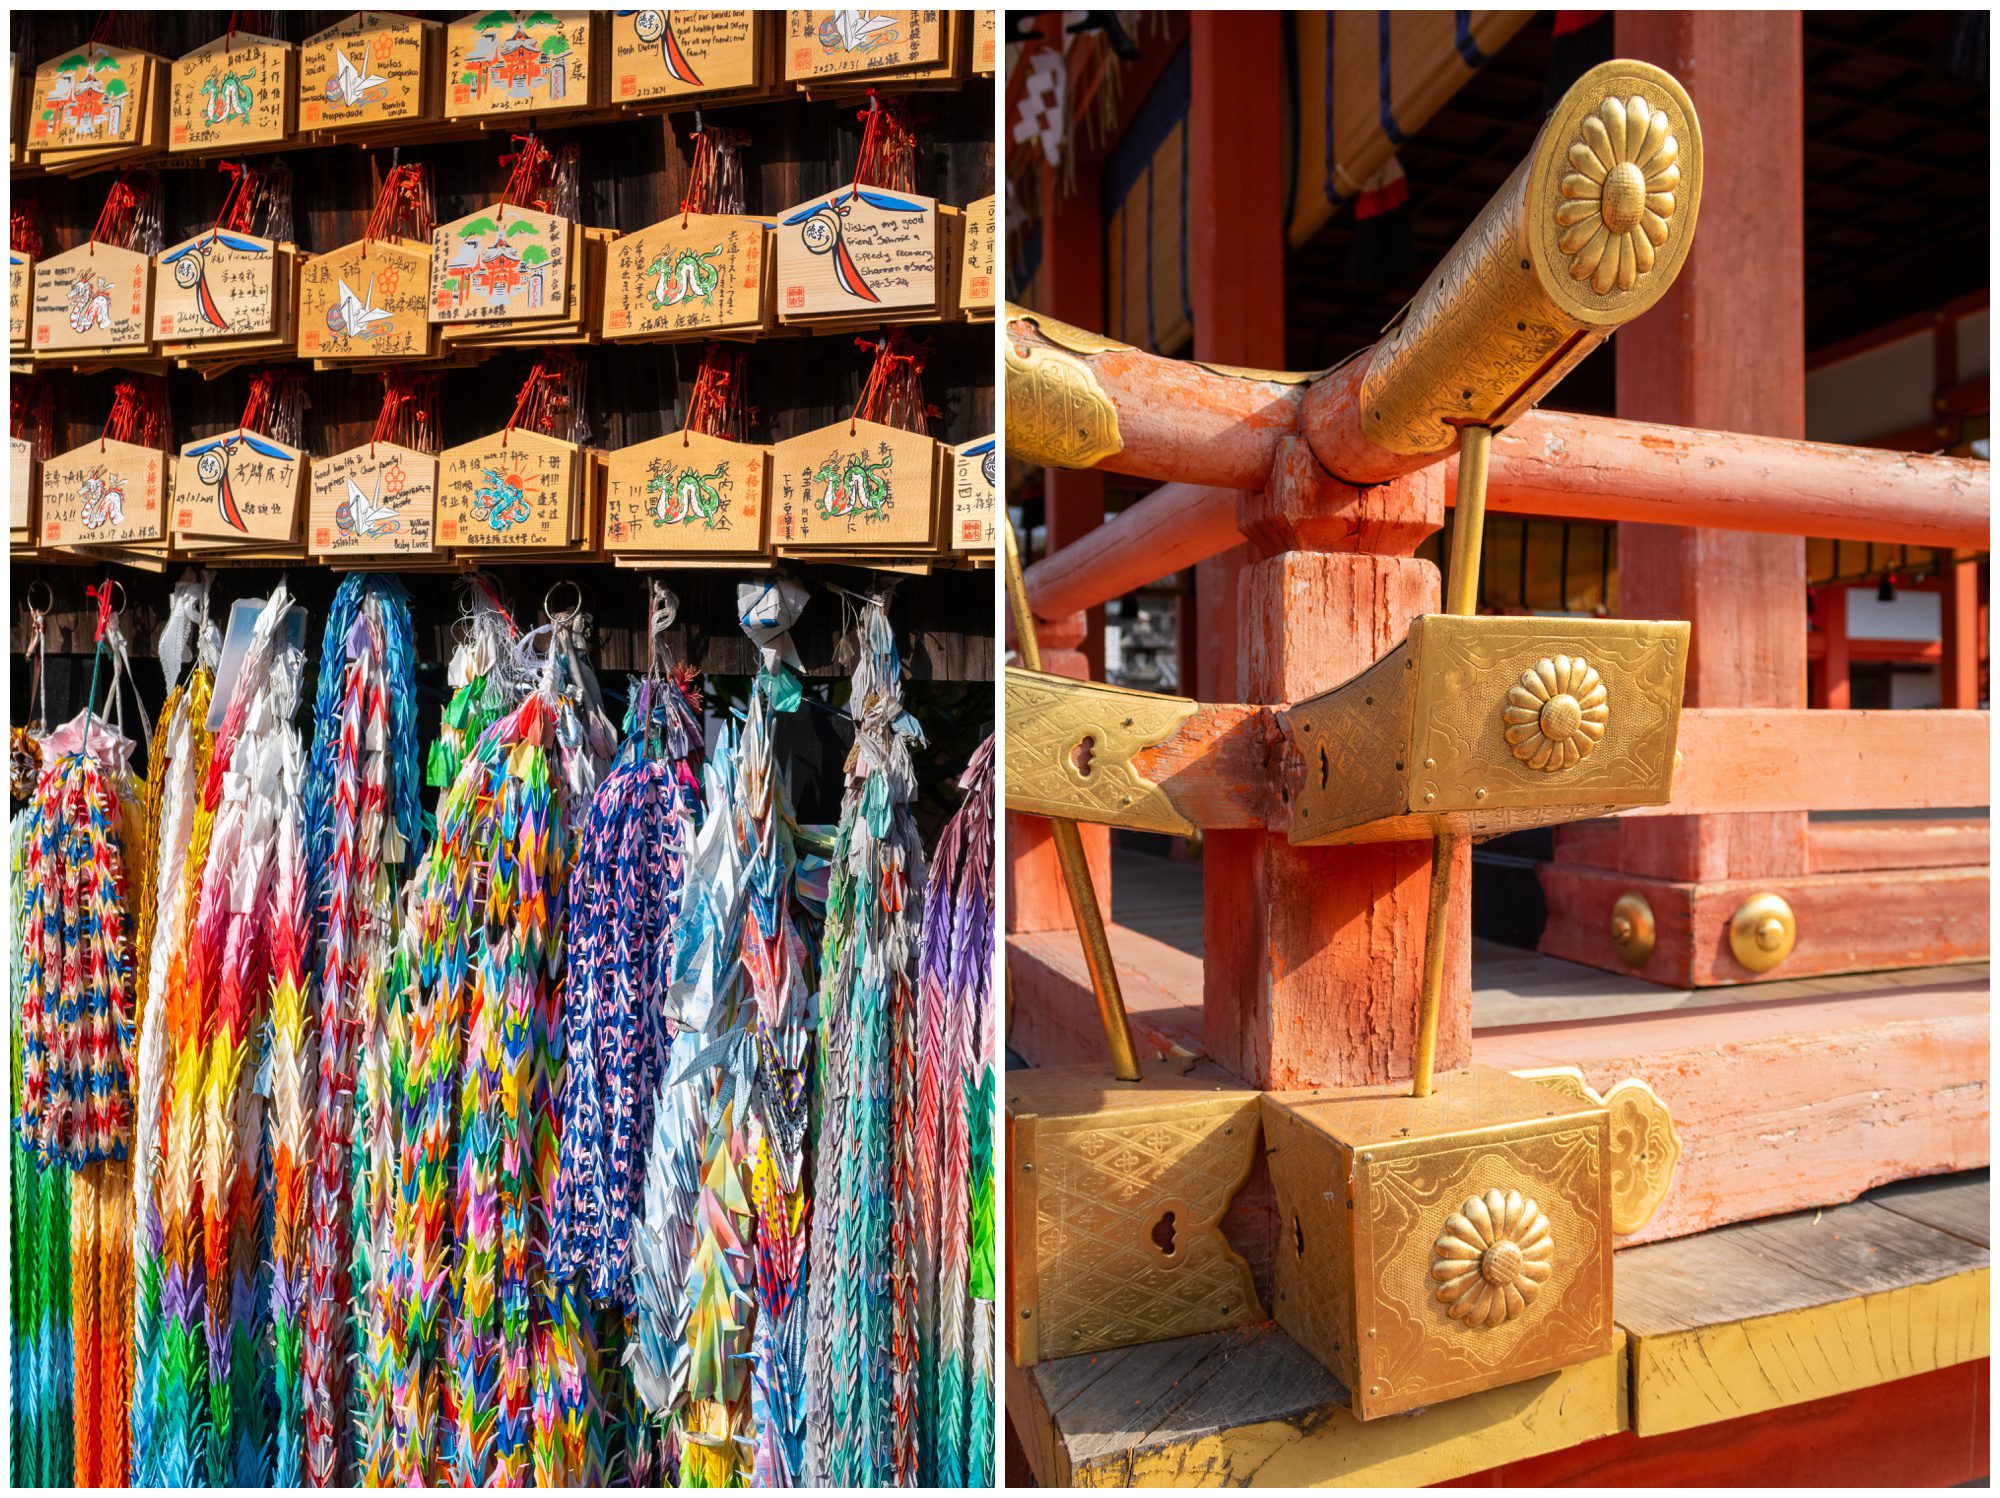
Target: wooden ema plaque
(857, 250)
(855, 485)
(975, 472)
(830, 43)
(239, 486)
(104, 493)
(376, 500)
(500, 264)
(985, 41)
(368, 71)
(688, 277)
(976, 273)
(20, 299)
(94, 297)
(507, 491)
(366, 300)
(687, 493)
(220, 284)
(89, 97)
(20, 490)
(501, 62)
(234, 92)
(677, 54)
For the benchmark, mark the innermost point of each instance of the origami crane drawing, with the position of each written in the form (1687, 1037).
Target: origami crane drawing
(349, 85)
(356, 316)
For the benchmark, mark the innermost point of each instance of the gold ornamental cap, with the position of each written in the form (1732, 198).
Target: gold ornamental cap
(1613, 192)
(1587, 233)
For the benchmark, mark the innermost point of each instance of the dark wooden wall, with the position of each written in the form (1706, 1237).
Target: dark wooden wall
(633, 173)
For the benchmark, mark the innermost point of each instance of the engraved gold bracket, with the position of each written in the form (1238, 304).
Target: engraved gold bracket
(1434, 1246)
(1071, 745)
(1116, 1200)
(1644, 1145)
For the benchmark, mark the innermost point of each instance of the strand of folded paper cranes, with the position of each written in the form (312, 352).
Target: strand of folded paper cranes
(604, 1124)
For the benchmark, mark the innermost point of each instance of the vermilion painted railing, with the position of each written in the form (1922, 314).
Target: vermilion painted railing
(1215, 436)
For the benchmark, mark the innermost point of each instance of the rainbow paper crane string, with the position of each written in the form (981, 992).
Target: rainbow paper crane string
(365, 817)
(254, 788)
(952, 1139)
(43, 1366)
(517, 1393)
(181, 748)
(862, 1410)
(424, 995)
(77, 1039)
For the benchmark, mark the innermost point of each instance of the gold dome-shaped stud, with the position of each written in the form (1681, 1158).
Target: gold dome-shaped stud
(1556, 713)
(1619, 193)
(1633, 930)
(1763, 932)
(1492, 1258)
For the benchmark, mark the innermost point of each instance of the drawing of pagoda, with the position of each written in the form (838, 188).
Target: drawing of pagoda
(515, 66)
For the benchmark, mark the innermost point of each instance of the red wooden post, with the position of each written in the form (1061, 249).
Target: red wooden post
(1832, 617)
(1961, 635)
(1725, 349)
(1236, 248)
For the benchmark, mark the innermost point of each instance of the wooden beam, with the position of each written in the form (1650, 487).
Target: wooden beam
(1763, 1315)
(1783, 1107)
(1962, 636)
(1843, 847)
(1253, 1408)
(1931, 1431)
(1226, 766)
(1847, 923)
(1550, 463)
(1182, 422)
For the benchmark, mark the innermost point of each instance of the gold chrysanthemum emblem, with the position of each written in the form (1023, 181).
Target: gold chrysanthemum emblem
(1619, 193)
(1556, 713)
(1492, 1257)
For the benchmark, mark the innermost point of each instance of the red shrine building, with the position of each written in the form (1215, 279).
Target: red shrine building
(1236, 242)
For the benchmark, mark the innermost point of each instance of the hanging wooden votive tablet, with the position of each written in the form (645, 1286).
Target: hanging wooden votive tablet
(697, 275)
(977, 265)
(874, 251)
(226, 297)
(515, 274)
(237, 493)
(855, 488)
(376, 504)
(707, 272)
(31, 426)
(502, 63)
(838, 47)
(375, 76)
(710, 55)
(503, 271)
(975, 490)
(521, 489)
(236, 93)
(93, 301)
(24, 474)
(699, 495)
(20, 301)
(111, 492)
(365, 304)
(985, 42)
(94, 106)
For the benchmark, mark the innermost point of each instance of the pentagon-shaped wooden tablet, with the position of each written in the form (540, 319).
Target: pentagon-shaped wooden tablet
(94, 297)
(378, 499)
(104, 493)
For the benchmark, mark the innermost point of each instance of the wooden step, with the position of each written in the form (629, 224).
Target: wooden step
(1715, 1331)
